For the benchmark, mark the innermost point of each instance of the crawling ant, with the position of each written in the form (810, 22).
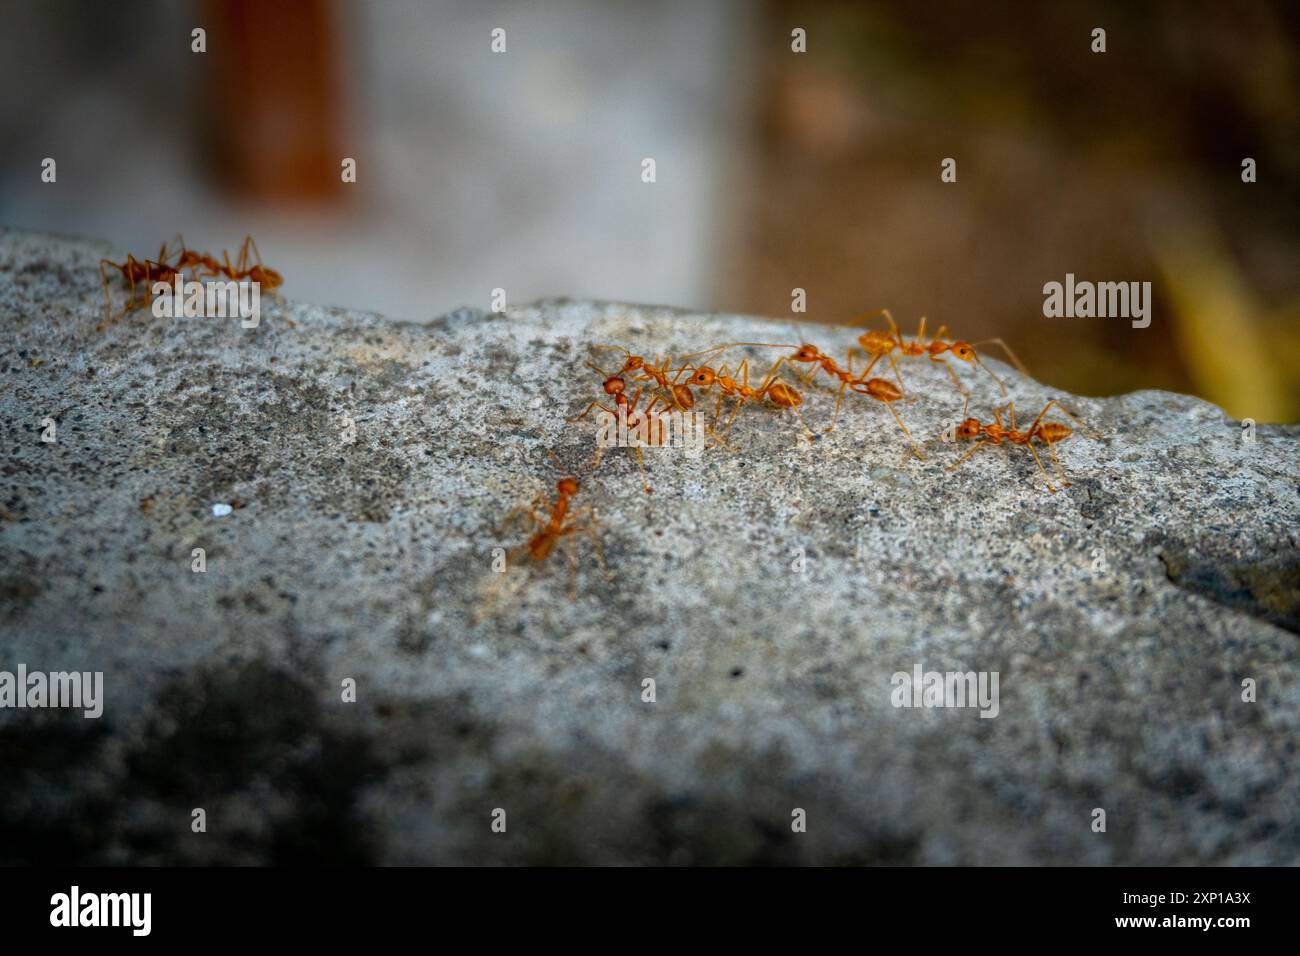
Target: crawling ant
(145, 271)
(204, 264)
(268, 279)
(994, 433)
(150, 271)
(879, 389)
(772, 388)
(680, 393)
(880, 344)
(562, 522)
(615, 386)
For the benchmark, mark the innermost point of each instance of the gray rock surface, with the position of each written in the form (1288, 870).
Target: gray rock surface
(1122, 614)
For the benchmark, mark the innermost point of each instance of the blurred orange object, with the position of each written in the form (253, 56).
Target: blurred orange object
(277, 123)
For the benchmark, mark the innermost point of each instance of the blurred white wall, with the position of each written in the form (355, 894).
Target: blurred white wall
(477, 170)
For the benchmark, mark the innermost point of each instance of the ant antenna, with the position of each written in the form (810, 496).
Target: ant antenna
(1020, 366)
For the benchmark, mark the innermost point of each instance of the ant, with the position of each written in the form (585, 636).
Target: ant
(773, 389)
(994, 433)
(268, 279)
(560, 523)
(880, 344)
(146, 271)
(881, 390)
(681, 394)
(149, 271)
(616, 387)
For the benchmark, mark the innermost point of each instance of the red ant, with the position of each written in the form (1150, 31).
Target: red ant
(882, 391)
(149, 271)
(560, 523)
(616, 387)
(993, 433)
(680, 394)
(146, 271)
(773, 389)
(878, 388)
(880, 344)
(268, 279)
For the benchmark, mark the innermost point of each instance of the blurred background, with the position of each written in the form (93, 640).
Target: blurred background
(775, 170)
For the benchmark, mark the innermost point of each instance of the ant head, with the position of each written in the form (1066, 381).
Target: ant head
(567, 486)
(704, 376)
(970, 428)
(614, 385)
(807, 353)
(633, 363)
(964, 351)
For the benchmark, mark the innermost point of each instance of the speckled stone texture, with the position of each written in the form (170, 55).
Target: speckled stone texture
(1121, 614)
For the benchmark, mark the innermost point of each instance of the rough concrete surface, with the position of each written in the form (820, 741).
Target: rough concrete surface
(1122, 614)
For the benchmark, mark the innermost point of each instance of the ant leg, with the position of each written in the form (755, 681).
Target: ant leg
(731, 418)
(915, 447)
(844, 383)
(586, 411)
(799, 415)
(920, 330)
(951, 373)
(1060, 472)
(1020, 366)
(573, 569)
(1082, 427)
(103, 279)
(640, 462)
(530, 510)
(771, 375)
(839, 400)
(1039, 461)
(1001, 385)
(876, 357)
(962, 460)
(250, 241)
(590, 529)
(242, 264)
(898, 375)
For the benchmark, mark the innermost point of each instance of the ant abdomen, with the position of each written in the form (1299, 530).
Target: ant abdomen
(783, 395)
(879, 389)
(1053, 432)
